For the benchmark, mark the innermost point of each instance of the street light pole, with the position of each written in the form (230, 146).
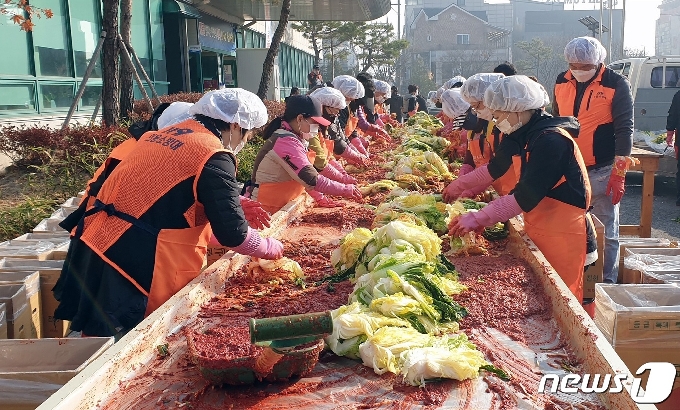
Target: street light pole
(611, 28)
(601, 18)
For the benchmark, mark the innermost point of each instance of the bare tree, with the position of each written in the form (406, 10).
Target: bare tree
(631, 52)
(110, 51)
(268, 65)
(126, 75)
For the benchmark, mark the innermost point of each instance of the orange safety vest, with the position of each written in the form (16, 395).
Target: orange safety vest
(379, 109)
(478, 141)
(118, 153)
(559, 229)
(507, 181)
(596, 136)
(160, 161)
(352, 123)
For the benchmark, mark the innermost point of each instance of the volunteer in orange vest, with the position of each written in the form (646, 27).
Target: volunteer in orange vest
(489, 136)
(321, 147)
(282, 170)
(352, 89)
(602, 101)
(363, 122)
(382, 93)
(552, 189)
(146, 234)
(461, 115)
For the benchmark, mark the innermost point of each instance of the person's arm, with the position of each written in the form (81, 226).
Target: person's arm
(547, 163)
(673, 119)
(555, 107)
(363, 122)
(502, 160)
(218, 192)
(622, 113)
(320, 159)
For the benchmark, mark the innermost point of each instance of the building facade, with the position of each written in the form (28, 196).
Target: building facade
(668, 29)
(180, 47)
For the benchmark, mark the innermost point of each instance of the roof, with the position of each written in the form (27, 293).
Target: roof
(319, 10)
(480, 15)
(477, 15)
(432, 11)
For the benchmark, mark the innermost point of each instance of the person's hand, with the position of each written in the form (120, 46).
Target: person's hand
(452, 192)
(325, 202)
(257, 217)
(465, 169)
(348, 179)
(669, 137)
(352, 192)
(269, 248)
(463, 224)
(616, 187)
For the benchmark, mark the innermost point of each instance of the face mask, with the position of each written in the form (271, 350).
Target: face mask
(313, 129)
(485, 114)
(505, 127)
(235, 150)
(583, 76)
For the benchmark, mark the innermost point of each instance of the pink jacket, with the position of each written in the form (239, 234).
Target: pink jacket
(283, 157)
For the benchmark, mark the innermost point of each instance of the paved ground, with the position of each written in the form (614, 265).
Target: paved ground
(665, 210)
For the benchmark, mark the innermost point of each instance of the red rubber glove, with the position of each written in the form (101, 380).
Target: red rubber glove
(356, 143)
(257, 217)
(669, 137)
(354, 157)
(617, 180)
(465, 169)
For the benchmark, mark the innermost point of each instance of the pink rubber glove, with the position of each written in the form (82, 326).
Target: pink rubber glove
(352, 156)
(332, 173)
(465, 169)
(358, 144)
(259, 247)
(257, 217)
(321, 200)
(498, 210)
(348, 178)
(669, 137)
(475, 179)
(471, 193)
(617, 180)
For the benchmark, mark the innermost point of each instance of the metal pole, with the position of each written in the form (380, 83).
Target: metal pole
(398, 19)
(128, 60)
(601, 17)
(623, 30)
(611, 29)
(96, 109)
(88, 73)
(144, 74)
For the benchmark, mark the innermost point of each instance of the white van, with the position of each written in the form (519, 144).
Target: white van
(654, 81)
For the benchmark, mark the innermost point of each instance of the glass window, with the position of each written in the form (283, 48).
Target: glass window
(672, 77)
(56, 95)
(616, 67)
(140, 33)
(626, 70)
(91, 95)
(157, 43)
(85, 31)
(463, 38)
(52, 57)
(17, 97)
(15, 59)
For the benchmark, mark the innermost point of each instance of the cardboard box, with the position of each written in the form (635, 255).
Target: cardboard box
(631, 275)
(44, 236)
(3, 321)
(49, 274)
(49, 225)
(660, 277)
(595, 274)
(32, 370)
(31, 281)
(626, 243)
(642, 322)
(18, 312)
(31, 250)
(59, 253)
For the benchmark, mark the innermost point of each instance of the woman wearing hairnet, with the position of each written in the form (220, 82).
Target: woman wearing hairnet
(321, 146)
(456, 108)
(381, 94)
(552, 190)
(282, 170)
(455, 82)
(487, 137)
(146, 234)
(359, 118)
(355, 153)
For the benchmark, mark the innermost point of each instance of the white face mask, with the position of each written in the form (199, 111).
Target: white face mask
(506, 128)
(484, 114)
(582, 76)
(235, 150)
(313, 129)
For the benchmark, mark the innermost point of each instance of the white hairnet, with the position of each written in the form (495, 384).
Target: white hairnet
(454, 80)
(232, 105)
(473, 88)
(438, 96)
(515, 94)
(330, 97)
(453, 104)
(174, 114)
(349, 86)
(585, 50)
(382, 87)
